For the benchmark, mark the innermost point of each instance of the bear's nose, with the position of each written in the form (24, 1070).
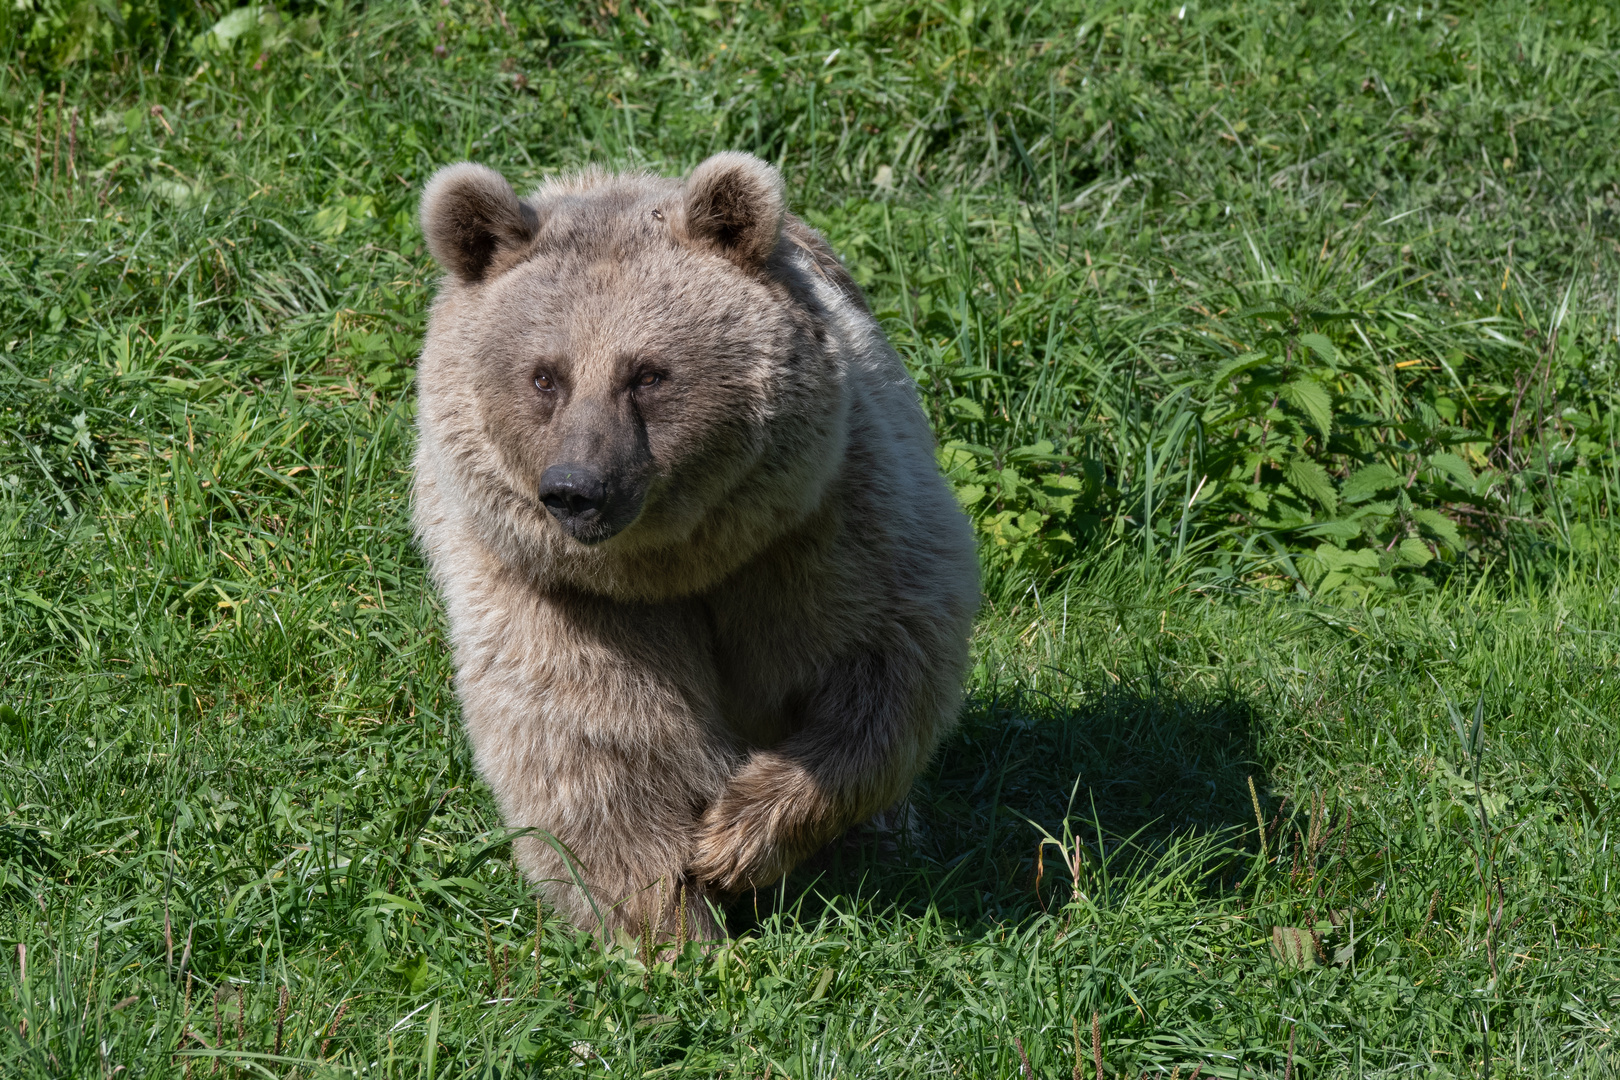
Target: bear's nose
(574, 494)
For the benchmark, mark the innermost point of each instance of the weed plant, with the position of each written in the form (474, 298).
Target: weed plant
(1271, 346)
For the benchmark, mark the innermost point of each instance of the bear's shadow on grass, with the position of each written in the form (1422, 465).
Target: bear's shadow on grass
(1134, 766)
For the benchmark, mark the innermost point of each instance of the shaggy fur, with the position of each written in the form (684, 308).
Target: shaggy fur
(709, 596)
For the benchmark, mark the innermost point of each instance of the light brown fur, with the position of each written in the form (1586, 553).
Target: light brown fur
(756, 636)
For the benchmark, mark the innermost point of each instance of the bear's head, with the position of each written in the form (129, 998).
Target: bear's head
(629, 385)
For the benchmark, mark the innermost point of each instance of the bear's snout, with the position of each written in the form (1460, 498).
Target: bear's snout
(581, 500)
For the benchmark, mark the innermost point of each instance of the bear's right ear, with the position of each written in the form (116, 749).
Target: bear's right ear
(471, 216)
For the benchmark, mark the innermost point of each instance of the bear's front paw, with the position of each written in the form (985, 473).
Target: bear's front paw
(769, 818)
(734, 851)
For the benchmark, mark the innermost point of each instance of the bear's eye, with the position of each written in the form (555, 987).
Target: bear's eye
(544, 383)
(647, 380)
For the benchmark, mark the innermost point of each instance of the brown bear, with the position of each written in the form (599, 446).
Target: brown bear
(709, 596)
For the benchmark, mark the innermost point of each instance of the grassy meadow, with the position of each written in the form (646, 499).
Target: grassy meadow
(1272, 347)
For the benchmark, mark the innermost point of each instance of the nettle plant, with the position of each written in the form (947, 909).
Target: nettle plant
(1032, 505)
(1317, 443)
(1313, 441)
(1033, 501)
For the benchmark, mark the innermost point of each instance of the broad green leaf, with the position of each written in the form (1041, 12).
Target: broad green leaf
(1286, 511)
(971, 448)
(969, 494)
(235, 24)
(967, 407)
(1058, 504)
(1322, 347)
(1454, 467)
(1416, 430)
(1060, 492)
(1582, 537)
(1331, 582)
(1311, 480)
(1468, 793)
(1037, 451)
(1380, 509)
(1336, 558)
(1336, 530)
(175, 191)
(1413, 552)
(414, 971)
(953, 458)
(1236, 366)
(330, 221)
(1369, 480)
(1311, 398)
(1439, 525)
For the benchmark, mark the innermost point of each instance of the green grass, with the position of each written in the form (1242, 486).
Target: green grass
(1119, 248)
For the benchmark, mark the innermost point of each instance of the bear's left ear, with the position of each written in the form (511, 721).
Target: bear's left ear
(471, 216)
(734, 203)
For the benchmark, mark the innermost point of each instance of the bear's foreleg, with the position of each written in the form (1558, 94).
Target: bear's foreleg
(615, 825)
(594, 724)
(869, 726)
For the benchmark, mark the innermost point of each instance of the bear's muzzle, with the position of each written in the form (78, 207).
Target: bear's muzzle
(585, 503)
